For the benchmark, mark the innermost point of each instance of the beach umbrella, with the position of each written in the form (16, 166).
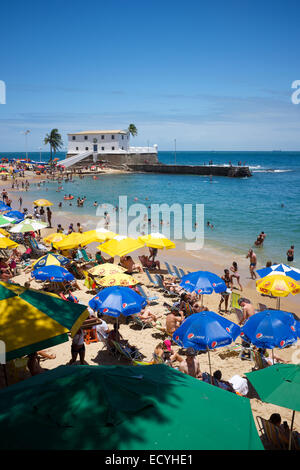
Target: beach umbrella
(5, 221)
(52, 273)
(279, 385)
(281, 269)
(277, 285)
(119, 279)
(106, 269)
(32, 320)
(6, 242)
(69, 242)
(204, 331)
(42, 202)
(203, 282)
(4, 207)
(16, 215)
(98, 235)
(4, 232)
(270, 329)
(54, 238)
(157, 240)
(123, 408)
(28, 225)
(51, 259)
(118, 300)
(120, 246)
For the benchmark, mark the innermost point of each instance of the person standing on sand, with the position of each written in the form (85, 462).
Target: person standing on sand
(225, 295)
(290, 254)
(253, 262)
(234, 269)
(49, 216)
(20, 202)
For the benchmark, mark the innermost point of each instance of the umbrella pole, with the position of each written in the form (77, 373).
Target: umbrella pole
(5, 374)
(278, 303)
(209, 366)
(273, 356)
(201, 300)
(291, 430)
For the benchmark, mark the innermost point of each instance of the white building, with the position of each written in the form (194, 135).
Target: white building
(98, 142)
(110, 145)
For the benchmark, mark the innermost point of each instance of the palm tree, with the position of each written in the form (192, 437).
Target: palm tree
(54, 140)
(132, 130)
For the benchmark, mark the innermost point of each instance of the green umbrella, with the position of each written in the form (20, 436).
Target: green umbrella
(5, 221)
(123, 408)
(279, 385)
(28, 225)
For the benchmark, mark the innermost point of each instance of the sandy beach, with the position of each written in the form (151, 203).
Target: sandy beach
(146, 340)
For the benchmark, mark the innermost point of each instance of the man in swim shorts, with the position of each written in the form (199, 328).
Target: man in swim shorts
(253, 262)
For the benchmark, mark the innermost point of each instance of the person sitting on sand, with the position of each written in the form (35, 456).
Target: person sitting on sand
(235, 274)
(171, 286)
(164, 353)
(33, 364)
(173, 321)
(128, 263)
(190, 365)
(148, 317)
(268, 361)
(114, 335)
(149, 264)
(5, 272)
(217, 381)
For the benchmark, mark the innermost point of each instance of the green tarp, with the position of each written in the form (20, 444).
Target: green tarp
(123, 408)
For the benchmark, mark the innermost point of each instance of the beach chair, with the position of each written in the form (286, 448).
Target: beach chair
(124, 352)
(257, 359)
(154, 283)
(157, 359)
(138, 321)
(89, 282)
(272, 436)
(143, 294)
(162, 287)
(177, 273)
(181, 271)
(36, 252)
(262, 307)
(91, 336)
(235, 297)
(172, 273)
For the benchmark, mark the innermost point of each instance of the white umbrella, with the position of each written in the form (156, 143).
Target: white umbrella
(5, 221)
(28, 225)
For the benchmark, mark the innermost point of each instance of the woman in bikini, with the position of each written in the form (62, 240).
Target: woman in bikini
(234, 269)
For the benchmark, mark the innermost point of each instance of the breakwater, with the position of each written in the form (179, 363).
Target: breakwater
(208, 170)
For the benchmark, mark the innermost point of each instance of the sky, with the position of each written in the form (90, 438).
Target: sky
(212, 75)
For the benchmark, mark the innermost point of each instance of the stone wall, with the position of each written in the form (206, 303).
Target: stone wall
(231, 171)
(119, 159)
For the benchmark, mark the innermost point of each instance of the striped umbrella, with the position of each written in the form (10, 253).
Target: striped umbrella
(5, 221)
(50, 259)
(28, 225)
(282, 269)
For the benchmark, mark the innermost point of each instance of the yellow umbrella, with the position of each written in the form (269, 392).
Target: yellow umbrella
(100, 235)
(157, 240)
(120, 246)
(7, 243)
(4, 232)
(42, 202)
(106, 269)
(69, 242)
(119, 279)
(54, 238)
(278, 286)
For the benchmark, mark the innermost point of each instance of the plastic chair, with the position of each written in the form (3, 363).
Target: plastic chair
(274, 437)
(91, 336)
(172, 273)
(143, 294)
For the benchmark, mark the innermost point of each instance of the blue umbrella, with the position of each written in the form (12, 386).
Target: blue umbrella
(116, 300)
(18, 216)
(270, 329)
(52, 273)
(4, 207)
(206, 330)
(282, 269)
(203, 282)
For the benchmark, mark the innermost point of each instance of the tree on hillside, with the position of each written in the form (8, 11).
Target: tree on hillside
(132, 130)
(54, 140)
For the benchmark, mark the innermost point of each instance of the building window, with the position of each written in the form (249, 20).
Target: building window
(113, 148)
(127, 137)
(102, 137)
(102, 148)
(85, 137)
(112, 137)
(122, 137)
(86, 148)
(73, 137)
(122, 148)
(76, 148)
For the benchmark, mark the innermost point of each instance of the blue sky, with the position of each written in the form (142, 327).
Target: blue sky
(214, 75)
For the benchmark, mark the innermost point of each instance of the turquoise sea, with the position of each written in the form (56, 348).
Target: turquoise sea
(239, 209)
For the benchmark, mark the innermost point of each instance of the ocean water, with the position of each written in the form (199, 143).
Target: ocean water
(239, 209)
